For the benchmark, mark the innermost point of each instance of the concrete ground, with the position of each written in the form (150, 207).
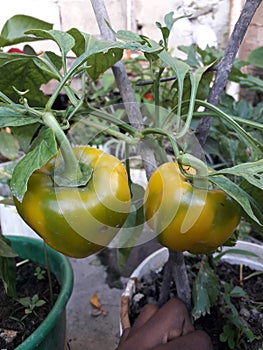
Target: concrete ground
(84, 331)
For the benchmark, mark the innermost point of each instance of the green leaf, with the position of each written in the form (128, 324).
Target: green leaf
(257, 203)
(93, 47)
(45, 148)
(127, 35)
(255, 57)
(250, 171)
(8, 275)
(8, 145)
(181, 69)
(165, 32)
(49, 63)
(21, 72)
(237, 193)
(169, 19)
(205, 290)
(15, 116)
(228, 336)
(253, 274)
(13, 31)
(40, 303)
(238, 292)
(81, 41)
(136, 42)
(64, 40)
(252, 83)
(26, 301)
(24, 134)
(5, 248)
(100, 62)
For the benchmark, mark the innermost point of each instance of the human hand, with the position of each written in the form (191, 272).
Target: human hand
(166, 328)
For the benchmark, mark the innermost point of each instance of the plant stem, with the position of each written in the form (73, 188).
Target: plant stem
(110, 131)
(247, 122)
(109, 118)
(72, 169)
(164, 133)
(193, 162)
(226, 63)
(48, 274)
(157, 96)
(59, 77)
(200, 179)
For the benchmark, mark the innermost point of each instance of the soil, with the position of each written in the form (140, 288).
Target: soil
(249, 306)
(15, 325)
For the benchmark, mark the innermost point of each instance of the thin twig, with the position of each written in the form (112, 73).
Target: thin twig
(48, 274)
(226, 64)
(150, 82)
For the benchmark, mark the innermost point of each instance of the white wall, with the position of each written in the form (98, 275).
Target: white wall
(65, 14)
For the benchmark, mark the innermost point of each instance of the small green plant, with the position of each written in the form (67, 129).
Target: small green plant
(39, 273)
(30, 304)
(235, 331)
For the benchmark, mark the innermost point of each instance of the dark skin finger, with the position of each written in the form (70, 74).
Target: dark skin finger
(147, 312)
(159, 327)
(197, 340)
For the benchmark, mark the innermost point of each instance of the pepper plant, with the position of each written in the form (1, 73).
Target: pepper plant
(77, 198)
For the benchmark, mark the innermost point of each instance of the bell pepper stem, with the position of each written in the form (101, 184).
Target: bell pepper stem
(200, 179)
(72, 168)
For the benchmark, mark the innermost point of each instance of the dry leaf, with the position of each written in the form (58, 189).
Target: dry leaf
(95, 301)
(98, 309)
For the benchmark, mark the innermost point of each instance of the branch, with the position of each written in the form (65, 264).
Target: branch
(175, 268)
(226, 64)
(126, 91)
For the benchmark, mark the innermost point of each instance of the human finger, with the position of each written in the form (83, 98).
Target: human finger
(197, 340)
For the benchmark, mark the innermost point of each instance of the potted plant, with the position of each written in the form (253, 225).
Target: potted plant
(78, 198)
(49, 332)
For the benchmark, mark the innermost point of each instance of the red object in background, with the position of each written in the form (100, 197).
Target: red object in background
(149, 96)
(15, 50)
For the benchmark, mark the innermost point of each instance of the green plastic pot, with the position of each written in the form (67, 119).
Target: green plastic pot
(51, 333)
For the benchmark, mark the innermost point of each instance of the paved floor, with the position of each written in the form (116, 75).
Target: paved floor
(87, 332)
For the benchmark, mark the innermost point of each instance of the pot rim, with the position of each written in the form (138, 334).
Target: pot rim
(66, 284)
